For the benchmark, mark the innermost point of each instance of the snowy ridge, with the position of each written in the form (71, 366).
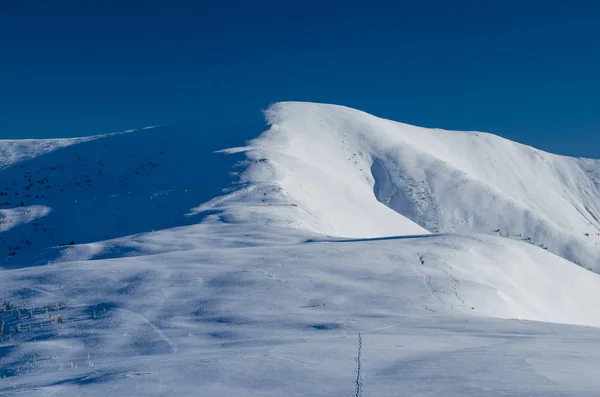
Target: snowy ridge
(336, 165)
(14, 150)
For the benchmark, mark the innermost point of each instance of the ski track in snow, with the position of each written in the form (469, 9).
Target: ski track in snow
(358, 390)
(455, 281)
(426, 283)
(359, 381)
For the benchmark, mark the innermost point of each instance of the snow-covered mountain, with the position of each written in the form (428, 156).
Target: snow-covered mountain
(337, 254)
(335, 166)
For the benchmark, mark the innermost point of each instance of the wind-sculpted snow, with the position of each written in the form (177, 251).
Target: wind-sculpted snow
(336, 166)
(351, 256)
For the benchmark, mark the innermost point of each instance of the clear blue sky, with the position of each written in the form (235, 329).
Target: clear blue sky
(526, 70)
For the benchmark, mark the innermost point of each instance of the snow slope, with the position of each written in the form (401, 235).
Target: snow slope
(329, 160)
(52, 191)
(285, 319)
(320, 272)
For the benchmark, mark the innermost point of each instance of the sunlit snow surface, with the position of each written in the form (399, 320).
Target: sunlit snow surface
(347, 256)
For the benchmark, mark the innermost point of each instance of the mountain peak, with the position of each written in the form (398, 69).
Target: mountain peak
(347, 173)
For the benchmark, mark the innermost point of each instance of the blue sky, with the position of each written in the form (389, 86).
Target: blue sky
(526, 70)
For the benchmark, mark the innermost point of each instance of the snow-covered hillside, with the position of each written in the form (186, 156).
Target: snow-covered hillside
(56, 193)
(338, 254)
(335, 165)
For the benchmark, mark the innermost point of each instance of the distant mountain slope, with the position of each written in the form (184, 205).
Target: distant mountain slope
(13, 151)
(57, 192)
(340, 170)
